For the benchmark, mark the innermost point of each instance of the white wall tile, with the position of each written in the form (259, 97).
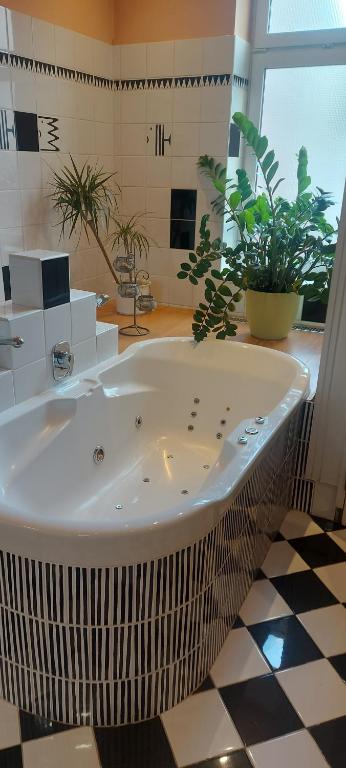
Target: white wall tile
(242, 57)
(159, 286)
(218, 55)
(10, 209)
(68, 135)
(133, 200)
(160, 59)
(103, 138)
(65, 47)
(133, 61)
(8, 170)
(116, 61)
(103, 108)
(188, 57)
(133, 107)
(5, 88)
(85, 102)
(46, 95)
(214, 139)
(179, 292)
(86, 137)
(185, 173)
(23, 90)
(134, 171)
(216, 104)
(25, 323)
(30, 380)
(34, 207)
(158, 202)
(10, 240)
(187, 105)
(83, 316)
(133, 139)
(184, 139)
(84, 355)
(158, 230)
(103, 60)
(57, 326)
(29, 170)
(6, 401)
(19, 29)
(159, 171)
(83, 53)
(66, 105)
(3, 29)
(158, 261)
(106, 341)
(43, 40)
(160, 106)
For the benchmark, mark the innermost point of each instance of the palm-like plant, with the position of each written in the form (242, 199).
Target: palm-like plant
(130, 235)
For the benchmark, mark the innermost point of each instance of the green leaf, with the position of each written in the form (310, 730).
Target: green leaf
(185, 266)
(268, 160)
(182, 275)
(193, 280)
(234, 199)
(209, 283)
(193, 258)
(272, 171)
(225, 290)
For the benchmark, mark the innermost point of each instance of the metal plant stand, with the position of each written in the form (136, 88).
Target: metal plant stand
(131, 289)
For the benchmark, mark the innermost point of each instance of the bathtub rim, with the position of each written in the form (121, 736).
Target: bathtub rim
(184, 524)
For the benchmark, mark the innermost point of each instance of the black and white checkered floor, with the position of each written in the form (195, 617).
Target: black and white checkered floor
(276, 695)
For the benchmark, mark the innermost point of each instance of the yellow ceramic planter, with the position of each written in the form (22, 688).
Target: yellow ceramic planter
(271, 315)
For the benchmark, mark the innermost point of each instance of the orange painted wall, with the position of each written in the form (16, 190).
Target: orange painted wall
(91, 17)
(154, 20)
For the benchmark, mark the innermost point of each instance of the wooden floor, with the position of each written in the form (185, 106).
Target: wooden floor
(173, 321)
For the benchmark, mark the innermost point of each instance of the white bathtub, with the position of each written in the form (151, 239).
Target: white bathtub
(143, 537)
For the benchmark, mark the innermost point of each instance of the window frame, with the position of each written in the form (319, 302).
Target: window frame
(281, 51)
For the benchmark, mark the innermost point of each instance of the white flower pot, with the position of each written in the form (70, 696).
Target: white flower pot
(125, 306)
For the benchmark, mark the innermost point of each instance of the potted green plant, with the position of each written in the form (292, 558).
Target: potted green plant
(87, 199)
(284, 249)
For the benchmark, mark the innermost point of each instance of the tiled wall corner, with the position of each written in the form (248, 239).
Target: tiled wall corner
(106, 341)
(144, 111)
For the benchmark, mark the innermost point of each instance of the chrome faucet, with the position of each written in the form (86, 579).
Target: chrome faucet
(101, 300)
(15, 341)
(63, 360)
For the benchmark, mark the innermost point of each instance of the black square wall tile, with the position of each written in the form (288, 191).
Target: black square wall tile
(303, 591)
(331, 739)
(234, 141)
(35, 727)
(339, 663)
(55, 282)
(284, 642)
(183, 204)
(318, 550)
(183, 234)
(144, 745)
(27, 131)
(237, 759)
(7, 282)
(260, 709)
(11, 758)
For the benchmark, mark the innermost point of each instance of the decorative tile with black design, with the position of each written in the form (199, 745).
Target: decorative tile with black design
(48, 130)
(234, 141)
(26, 131)
(135, 746)
(182, 234)
(7, 129)
(260, 709)
(303, 591)
(318, 550)
(35, 727)
(331, 739)
(159, 139)
(284, 642)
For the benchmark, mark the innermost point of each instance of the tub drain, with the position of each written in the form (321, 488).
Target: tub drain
(146, 479)
(184, 491)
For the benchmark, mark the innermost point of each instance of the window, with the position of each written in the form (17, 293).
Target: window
(298, 94)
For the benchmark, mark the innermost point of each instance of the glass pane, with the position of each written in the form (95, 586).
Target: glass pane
(307, 106)
(295, 15)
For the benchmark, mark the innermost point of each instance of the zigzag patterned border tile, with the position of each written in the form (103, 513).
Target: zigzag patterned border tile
(54, 70)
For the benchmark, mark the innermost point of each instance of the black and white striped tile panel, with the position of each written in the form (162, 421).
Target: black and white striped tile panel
(54, 70)
(109, 646)
(303, 487)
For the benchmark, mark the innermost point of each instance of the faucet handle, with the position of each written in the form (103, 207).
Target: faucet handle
(63, 360)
